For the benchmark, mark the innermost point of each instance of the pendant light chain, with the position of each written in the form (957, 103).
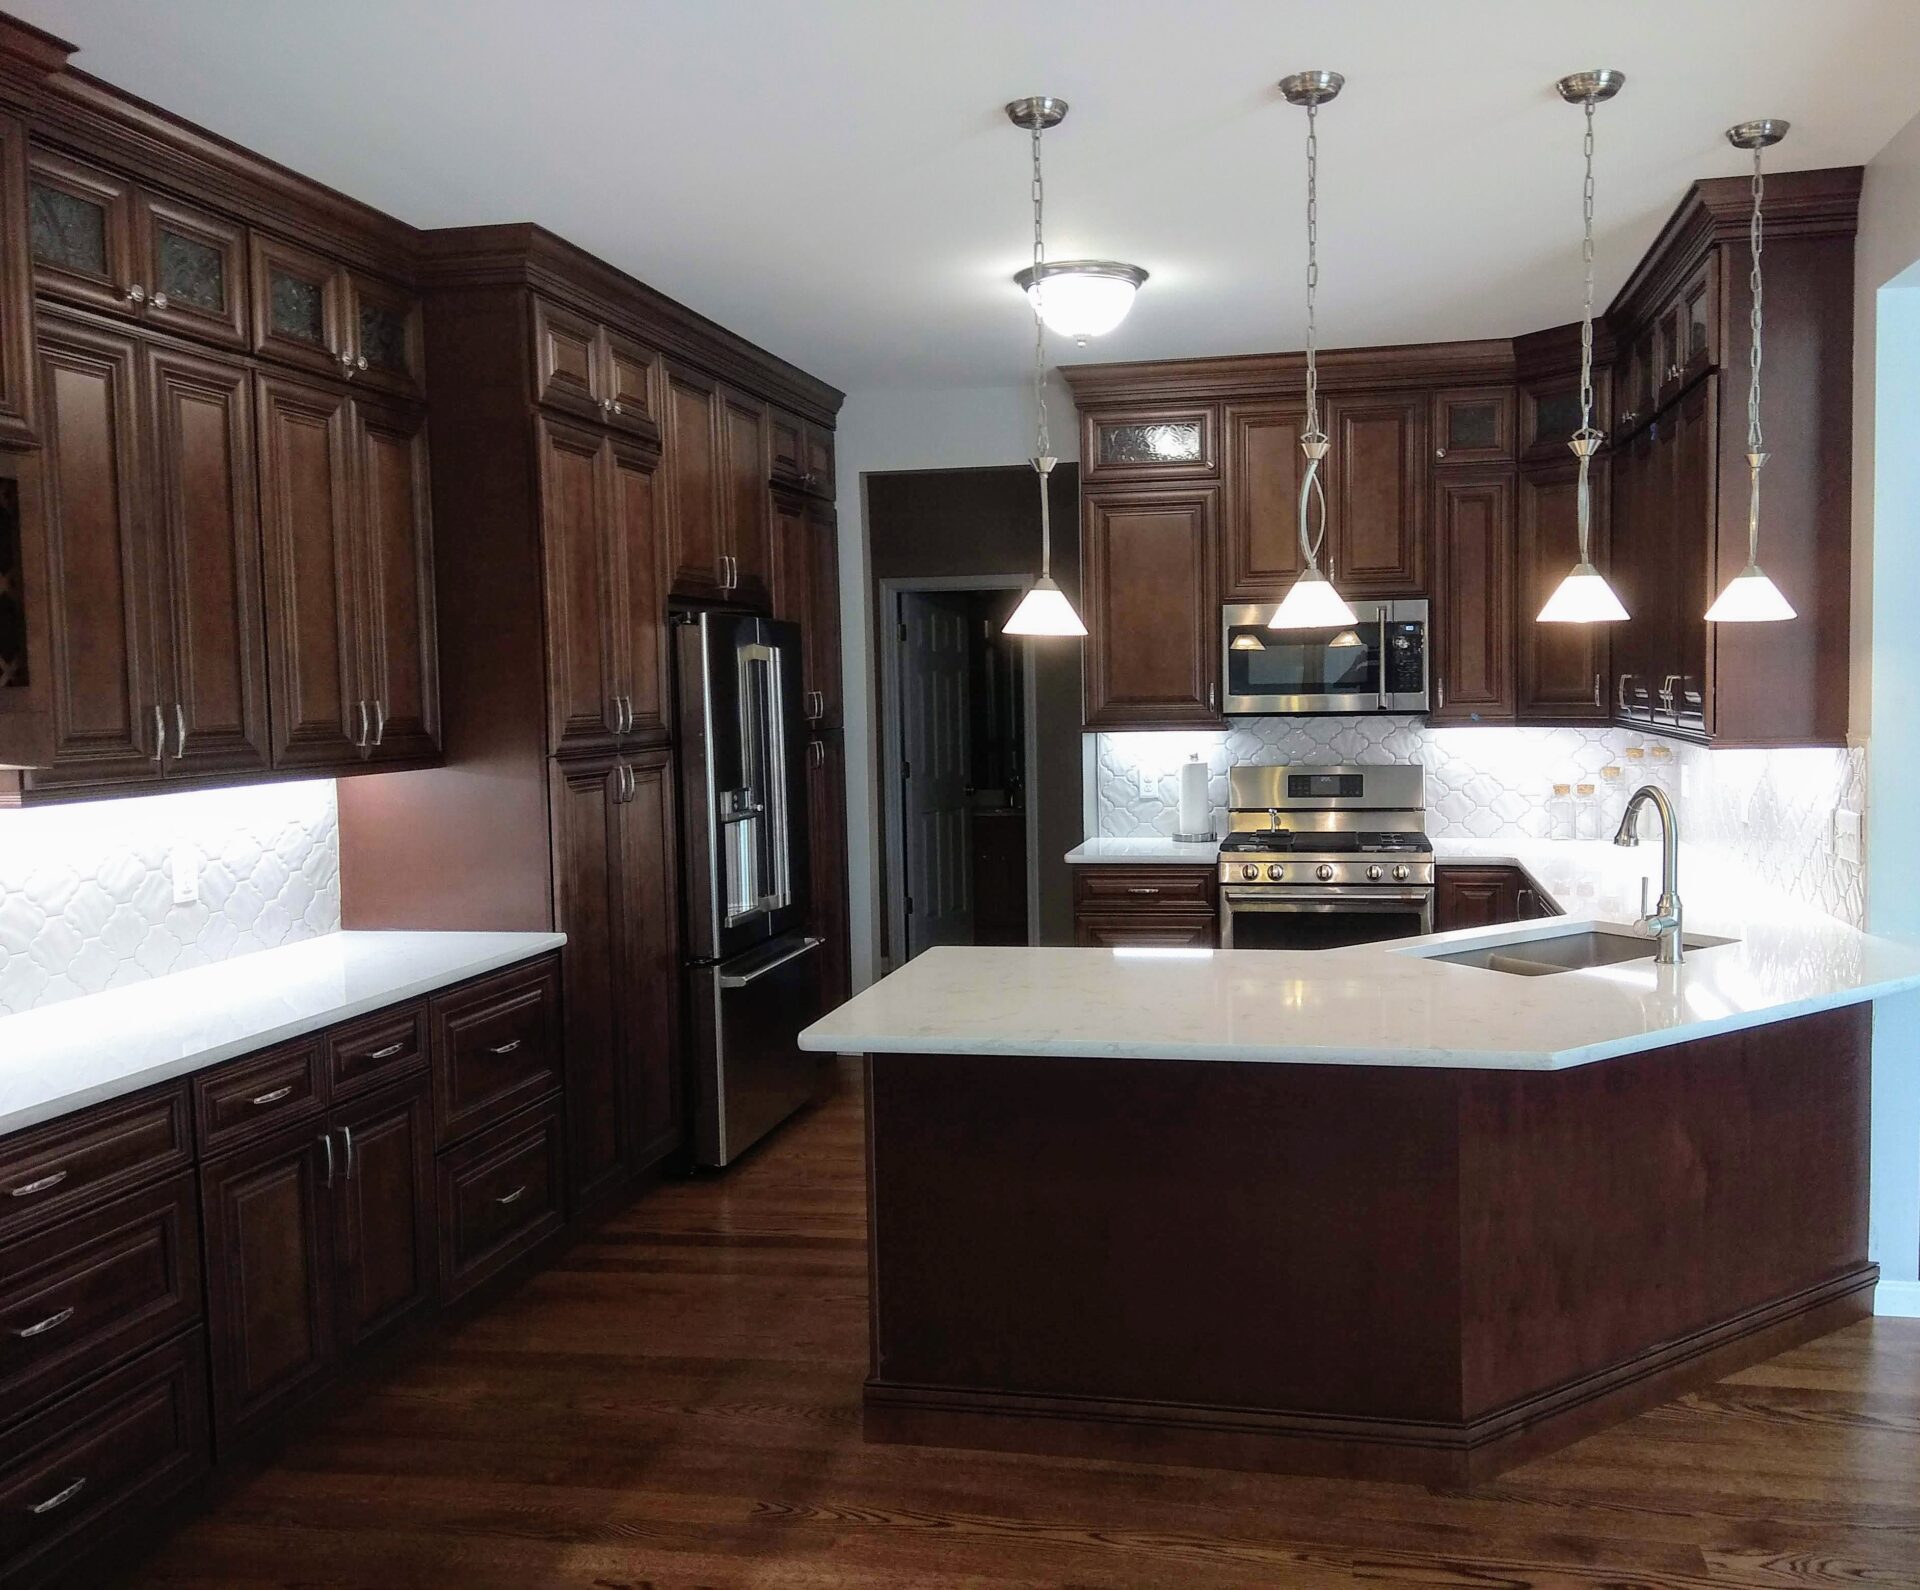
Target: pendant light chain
(1586, 260)
(1756, 452)
(1313, 271)
(1044, 446)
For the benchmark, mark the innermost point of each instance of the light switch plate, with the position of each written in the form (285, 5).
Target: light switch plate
(1849, 834)
(183, 862)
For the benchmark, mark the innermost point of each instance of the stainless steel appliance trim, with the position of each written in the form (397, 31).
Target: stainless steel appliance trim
(742, 979)
(1322, 897)
(1388, 786)
(701, 799)
(1414, 610)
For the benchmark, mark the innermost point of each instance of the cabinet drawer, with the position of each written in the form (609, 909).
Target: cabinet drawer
(377, 1049)
(496, 1047)
(1145, 888)
(67, 1165)
(95, 1290)
(128, 1441)
(499, 1196)
(238, 1102)
(1145, 930)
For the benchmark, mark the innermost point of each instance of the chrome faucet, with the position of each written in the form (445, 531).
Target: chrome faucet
(1664, 922)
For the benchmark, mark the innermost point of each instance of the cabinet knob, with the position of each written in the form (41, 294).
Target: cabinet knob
(136, 294)
(159, 300)
(613, 406)
(1439, 452)
(360, 363)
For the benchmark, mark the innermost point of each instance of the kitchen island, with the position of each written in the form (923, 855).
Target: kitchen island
(1358, 1211)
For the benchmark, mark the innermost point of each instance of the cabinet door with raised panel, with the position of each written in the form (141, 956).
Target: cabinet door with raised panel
(629, 381)
(583, 677)
(1563, 671)
(565, 350)
(384, 1210)
(100, 601)
(1687, 679)
(1149, 564)
(649, 985)
(639, 590)
(299, 306)
(388, 336)
(747, 530)
(207, 532)
(1377, 496)
(692, 481)
(393, 540)
(1473, 425)
(1473, 547)
(17, 416)
(827, 841)
(1262, 532)
(193, 266)
(80, 231)
(320, 713)
(268, 1218)
(823, 613)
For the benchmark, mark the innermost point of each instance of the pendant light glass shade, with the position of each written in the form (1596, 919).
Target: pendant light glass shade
(1750, 598)
(1081, 298)
(1583, 597)
(1044, 610)
(1313, 603)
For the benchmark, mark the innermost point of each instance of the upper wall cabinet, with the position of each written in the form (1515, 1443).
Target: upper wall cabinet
(1149, 443)
(313, 312)
(16, 287)
(801, 454)
(1377, 498)
(588, 369)
(1263, 465)
(719, 517)
(1473, 426)
(98, 239)
(1150, 578)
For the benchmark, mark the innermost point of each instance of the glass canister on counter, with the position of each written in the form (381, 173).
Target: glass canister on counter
(1613, 799)
(1586, 812)
(1560, 812)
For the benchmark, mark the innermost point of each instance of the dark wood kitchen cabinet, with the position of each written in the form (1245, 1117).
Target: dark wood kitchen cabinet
(1563, 671)
(717, 468)
(157, 636)
(384, 1212)
(1262, 472)
(1150, 601)
(615, 887)
(586, 368)
(1377, 495)
(1153, 907)
(1473, 425)
(1473, 672)
(827, 848)
(18, 418)
(320, 315)
(1475, 895)
(800, 454)
(399, 656)
(806, 591)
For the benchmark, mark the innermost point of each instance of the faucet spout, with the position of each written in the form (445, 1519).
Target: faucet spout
(1665, 922)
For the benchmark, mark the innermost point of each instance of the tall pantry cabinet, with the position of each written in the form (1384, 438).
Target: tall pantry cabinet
(602, 453)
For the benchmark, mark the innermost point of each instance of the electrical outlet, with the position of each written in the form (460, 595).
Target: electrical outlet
(1149, 784)
(183, 861)
(1849, 835)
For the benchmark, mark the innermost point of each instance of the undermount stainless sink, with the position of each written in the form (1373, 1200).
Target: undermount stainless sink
(1568, 952)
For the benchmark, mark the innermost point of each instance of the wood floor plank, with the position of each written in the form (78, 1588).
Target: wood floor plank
(676, 1404)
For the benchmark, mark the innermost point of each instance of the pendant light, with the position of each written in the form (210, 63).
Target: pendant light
(1313, 603)
(1750, 597)
(1584, 597)
(1044, 610)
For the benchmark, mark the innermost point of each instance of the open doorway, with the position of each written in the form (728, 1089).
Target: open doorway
(958, 732)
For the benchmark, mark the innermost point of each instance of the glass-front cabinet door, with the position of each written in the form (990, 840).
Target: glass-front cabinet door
(193, 268)
(1473, 425)
(80, 232)
(299, 306)
(384, 323)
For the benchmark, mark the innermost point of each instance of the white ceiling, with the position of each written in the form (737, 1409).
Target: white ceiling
(835, 179)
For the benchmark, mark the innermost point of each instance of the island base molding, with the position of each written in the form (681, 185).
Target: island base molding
(1390, 1273)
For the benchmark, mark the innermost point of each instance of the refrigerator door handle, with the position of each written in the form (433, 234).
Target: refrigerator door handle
(804, 947)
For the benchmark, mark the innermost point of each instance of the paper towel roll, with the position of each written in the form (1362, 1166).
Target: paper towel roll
(1196, 811)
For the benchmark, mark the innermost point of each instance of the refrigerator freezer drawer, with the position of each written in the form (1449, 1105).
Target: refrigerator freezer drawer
(748, 1015)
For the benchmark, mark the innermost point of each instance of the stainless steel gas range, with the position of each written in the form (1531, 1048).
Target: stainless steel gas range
(1321, 857)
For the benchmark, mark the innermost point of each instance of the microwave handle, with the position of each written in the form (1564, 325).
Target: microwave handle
(1383, 656)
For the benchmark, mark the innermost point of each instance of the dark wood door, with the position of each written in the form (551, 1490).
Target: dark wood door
(786, 448)
(384, 1210)
(747, 531)
(268, 1218)
(1262, 532)
(1564, 673)
(827, 838)
(1467, 897)
(565, 348)
(649, 960)
(80, 232)
(1639, 551)
(692, 482)
(386, 336)
(193, 267)
(583, 675)
(1149, 558)
(1695, 442)
(1473, 425)
(639, 591)
(629, 383)
(1473, 550)
(17, 415)
(212, 634)
(320, 713)
(299, 306)
(101, 579)
(1376, 498)
(792, 566)
(823, 614)
(1144, 930)
(393, 546)
(590, 908)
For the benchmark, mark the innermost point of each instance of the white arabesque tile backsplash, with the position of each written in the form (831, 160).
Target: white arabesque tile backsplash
(1769, 812)
(87, 890)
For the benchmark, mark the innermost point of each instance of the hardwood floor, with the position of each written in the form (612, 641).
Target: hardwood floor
(676, 1404)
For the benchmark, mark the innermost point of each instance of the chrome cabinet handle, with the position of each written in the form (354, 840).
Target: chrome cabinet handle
(180, 730)
(506, 1048)
(1142, 890)
(379, 721)
(1620, 694)
(1440, 693)
(50, 1323)
(614, 726)
(44, 1184)
(59, 1498)
(274, 1097)
(389, 1052)
(513, 1197)
(159, 733)
(346, 1136)
(1596, 692)
(326, 1142)
(633, 784)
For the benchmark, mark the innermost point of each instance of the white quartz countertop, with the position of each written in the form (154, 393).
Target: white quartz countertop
(1388, 1004)
(1150, 852)
(64, 1056)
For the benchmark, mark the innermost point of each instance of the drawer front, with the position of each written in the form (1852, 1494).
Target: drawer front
(67, 1165)
(127, 1442)
(496, 1048)
(365, 1054)
(1145, 888)
(499, 1196)
(1145, 930)
(239, 1102)
(95, 1290)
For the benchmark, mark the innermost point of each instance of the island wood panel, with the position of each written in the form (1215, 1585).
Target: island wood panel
(1353, 1269)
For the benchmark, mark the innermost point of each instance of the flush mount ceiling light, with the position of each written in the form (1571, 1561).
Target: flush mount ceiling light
(1750, 597)
(1077, 298)
(1584, 597)
(1044, 610)
(1313, 603)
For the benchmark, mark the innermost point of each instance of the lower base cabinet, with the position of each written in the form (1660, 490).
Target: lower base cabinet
(1152, 907)
(1485, 896)
(500, 1197)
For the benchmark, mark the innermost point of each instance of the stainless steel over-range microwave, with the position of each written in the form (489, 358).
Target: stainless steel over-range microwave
(1379, 663)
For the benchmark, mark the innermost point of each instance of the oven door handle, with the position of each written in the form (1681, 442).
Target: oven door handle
(1333, 899)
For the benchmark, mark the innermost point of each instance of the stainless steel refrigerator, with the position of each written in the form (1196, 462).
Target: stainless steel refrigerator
(752, 972)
